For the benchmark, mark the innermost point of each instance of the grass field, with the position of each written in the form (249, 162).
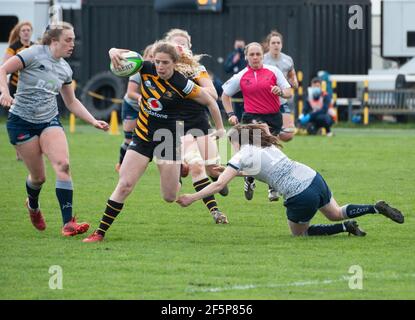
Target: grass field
(157, 250)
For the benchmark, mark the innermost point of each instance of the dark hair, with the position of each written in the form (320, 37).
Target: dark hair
(54, 31)
(315, 80)
(274, 33)
(166, 47)
(254, 134)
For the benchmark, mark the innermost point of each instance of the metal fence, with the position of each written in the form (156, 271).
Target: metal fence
(400, 101)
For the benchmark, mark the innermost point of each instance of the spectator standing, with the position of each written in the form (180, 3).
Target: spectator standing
(234, 63)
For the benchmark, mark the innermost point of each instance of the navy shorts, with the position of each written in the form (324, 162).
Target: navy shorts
(302, 207)
(128, 112)
(21, 131)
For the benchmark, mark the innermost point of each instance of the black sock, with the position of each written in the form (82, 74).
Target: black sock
(123, 150)
(111, 212)
(64, 193)
(210, 202)
(214, 179)
(325, 229)
(250, 179)
(357, 210)
(33, 191)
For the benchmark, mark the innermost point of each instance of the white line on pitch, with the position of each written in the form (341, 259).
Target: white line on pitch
(298, 283)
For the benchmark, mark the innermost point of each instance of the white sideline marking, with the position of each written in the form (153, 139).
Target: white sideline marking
(299, 283)
(278, 285)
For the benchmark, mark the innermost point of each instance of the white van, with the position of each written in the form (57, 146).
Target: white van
(15, 11)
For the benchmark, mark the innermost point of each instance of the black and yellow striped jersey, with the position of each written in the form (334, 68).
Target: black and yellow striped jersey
(161, 100)
(12, 50)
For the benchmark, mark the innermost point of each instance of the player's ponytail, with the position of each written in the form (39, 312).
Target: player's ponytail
(254, 134)
(54, 31)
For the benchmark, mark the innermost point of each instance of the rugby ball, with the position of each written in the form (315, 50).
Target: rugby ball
(130, 65)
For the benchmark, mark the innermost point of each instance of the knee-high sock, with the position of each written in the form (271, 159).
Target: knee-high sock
(64, 193)
(325, 229)
(112, 210)
(33, 191)
(356, 210)
(210, 202)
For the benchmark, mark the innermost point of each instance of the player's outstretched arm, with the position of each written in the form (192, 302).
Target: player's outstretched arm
(78, 109)
(227, 175)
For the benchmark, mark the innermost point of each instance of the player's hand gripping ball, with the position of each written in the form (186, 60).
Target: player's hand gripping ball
(130, 64)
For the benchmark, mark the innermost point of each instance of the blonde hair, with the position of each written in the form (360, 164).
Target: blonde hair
(14, 34)
(148, 51)
(178, 33)
(188, 63)
(54, 31)
(250, 45)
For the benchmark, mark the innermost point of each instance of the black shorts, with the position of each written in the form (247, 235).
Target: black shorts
(273, 120)
(166, 149)
(198, 126)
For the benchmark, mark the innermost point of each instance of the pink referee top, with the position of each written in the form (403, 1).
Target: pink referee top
(255, 85)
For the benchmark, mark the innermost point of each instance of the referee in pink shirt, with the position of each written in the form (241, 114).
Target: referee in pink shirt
(261, 86)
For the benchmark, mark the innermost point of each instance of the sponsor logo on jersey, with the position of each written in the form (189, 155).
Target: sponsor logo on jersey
(49, 86)
(168, 95)
(155, 104)
(149, 85)
(247, 82)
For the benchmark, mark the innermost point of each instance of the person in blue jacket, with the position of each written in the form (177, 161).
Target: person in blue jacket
(316, 110)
